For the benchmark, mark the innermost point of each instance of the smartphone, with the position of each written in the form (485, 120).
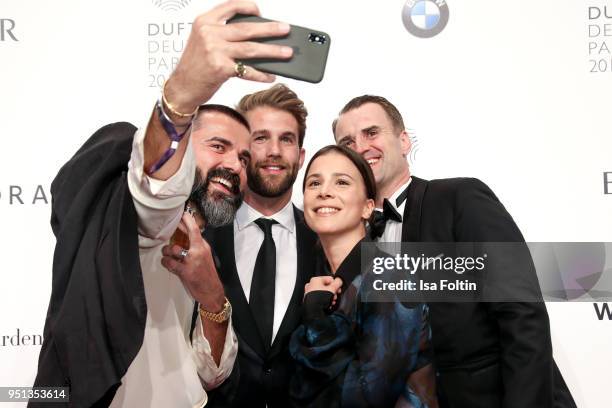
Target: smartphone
(310, 49)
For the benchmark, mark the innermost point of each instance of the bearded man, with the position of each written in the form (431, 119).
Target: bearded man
(267, 255)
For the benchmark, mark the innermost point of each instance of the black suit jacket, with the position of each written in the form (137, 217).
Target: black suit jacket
(488, 355)
(259, 378)
(97, 312)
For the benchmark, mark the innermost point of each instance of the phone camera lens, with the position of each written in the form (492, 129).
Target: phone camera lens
(317, 38)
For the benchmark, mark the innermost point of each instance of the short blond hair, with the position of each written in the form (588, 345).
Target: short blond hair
(278, 97)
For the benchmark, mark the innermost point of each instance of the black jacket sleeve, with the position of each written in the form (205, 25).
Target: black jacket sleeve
(97, 312)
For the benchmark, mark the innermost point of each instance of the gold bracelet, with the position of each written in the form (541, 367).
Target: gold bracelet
(171, 108)
(220, 317)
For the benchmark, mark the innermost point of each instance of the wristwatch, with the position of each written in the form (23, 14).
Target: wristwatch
(220, 317)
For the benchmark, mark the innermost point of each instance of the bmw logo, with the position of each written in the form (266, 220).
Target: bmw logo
(425, 18)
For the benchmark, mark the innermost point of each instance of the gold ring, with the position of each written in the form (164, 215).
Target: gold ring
(240, 69)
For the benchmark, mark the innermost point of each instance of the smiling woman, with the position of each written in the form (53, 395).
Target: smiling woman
(339, 194)
(351, 352)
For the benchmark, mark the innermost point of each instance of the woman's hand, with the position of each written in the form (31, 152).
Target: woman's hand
(328, 283)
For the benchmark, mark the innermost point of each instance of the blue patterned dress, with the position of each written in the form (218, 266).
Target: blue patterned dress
(361, 354)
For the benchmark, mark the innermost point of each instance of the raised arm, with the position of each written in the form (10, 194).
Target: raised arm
(163, 176)
(207, 62)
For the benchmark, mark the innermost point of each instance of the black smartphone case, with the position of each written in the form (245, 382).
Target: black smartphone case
(310, 49)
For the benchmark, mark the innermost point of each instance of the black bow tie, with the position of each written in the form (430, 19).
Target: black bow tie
(380, 218)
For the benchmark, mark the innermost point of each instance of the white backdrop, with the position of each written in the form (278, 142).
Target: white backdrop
(504, 93)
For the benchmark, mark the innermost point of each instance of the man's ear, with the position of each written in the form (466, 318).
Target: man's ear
(405, 143)
(334, 123)
(302, 156)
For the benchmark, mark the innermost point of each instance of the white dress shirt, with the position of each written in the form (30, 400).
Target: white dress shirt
(393, 229)
(169, 370)
(248, 238)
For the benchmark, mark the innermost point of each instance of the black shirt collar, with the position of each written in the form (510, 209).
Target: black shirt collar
(351, 266)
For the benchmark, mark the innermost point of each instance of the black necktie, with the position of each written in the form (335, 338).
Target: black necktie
(380, 218)
(261, 297)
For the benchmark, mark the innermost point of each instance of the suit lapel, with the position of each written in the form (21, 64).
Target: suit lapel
(305, 242)
(242, 317)
(411, 226)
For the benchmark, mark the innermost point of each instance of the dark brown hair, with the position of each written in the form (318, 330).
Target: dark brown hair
(394, 115)
(278, 97)
(226, 110)
(359, 162)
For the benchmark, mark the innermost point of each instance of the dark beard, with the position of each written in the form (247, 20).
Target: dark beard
(265, 187)
(215, 207)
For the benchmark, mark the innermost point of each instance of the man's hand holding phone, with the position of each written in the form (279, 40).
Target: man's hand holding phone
(213, 47)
